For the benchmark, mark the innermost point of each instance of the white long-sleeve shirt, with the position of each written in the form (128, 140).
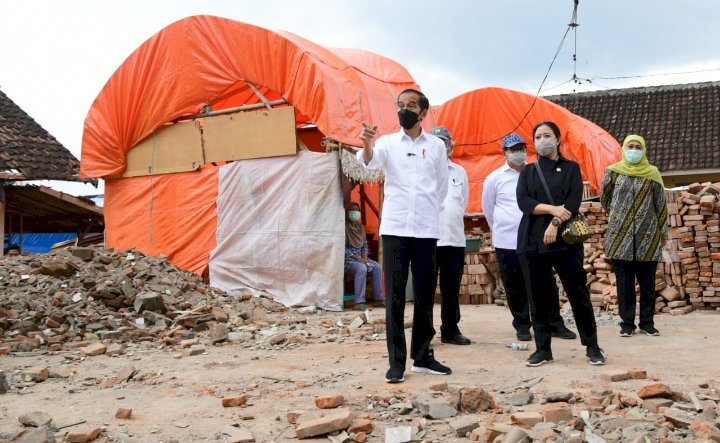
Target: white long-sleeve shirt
(452, 224)
(499, 203)
(416, 182)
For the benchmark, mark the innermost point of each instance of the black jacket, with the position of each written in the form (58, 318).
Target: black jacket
(564, 179)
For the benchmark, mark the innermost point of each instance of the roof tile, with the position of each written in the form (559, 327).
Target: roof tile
(28, 148)
(680, 123)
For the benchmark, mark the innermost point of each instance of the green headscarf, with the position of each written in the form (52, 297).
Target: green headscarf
(641, 169)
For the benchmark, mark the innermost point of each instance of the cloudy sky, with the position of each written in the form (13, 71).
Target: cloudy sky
(57, 55)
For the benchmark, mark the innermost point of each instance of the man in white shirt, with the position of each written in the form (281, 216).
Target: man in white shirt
(451, 245)
(415, 165)
(499, 202)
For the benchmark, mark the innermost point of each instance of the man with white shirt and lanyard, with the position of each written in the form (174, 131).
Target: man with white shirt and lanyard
(451, 245)
(416, 181)
(499, 202)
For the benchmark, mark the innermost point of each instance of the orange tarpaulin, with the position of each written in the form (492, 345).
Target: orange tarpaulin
(201, 61)
(205, 60)
(173, 215)
(478, 121)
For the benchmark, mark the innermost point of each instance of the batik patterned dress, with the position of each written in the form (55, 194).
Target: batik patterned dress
(637, 217)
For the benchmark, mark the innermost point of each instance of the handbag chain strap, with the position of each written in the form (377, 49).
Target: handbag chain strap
(544, 183)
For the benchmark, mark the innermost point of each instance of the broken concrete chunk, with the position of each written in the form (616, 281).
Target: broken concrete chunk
(521, 398)
(42, 434)
(433, 408)
(558, 397)
(35, 419)
(149, 301)
(85, 254)
(463, 425)
(219, 333)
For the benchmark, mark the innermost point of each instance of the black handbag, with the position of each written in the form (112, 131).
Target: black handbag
(574, 231)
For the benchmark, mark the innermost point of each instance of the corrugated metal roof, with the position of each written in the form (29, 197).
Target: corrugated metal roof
(47, 210)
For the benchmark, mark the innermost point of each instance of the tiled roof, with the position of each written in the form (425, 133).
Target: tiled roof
(680, 123)
(29, 152)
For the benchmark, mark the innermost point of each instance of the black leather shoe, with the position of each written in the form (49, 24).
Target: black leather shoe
(457, 339)
(564, 333)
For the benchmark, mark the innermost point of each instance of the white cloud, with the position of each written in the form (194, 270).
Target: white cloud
(57, 56)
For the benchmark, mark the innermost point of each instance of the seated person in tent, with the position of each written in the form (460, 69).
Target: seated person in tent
(357, 264)
(13, 250)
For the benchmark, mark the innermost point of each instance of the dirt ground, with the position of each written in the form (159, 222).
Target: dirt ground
(178, 397)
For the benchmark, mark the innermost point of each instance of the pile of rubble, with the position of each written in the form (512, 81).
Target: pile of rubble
(98, 299)
(618, 410)
(652, 413)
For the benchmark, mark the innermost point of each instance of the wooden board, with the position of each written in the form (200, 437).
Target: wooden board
(245, 135)
(172, 148)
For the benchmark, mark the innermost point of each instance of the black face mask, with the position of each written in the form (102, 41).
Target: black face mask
(407, 118)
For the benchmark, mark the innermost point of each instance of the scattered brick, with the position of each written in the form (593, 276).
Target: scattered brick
(123, 413)
(85, 436)
(329, 401)
(231, 402)
(94, 349)
(654, 390)
(615, 375)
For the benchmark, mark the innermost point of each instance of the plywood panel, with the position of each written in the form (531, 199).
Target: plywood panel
(172, 148)
(256, 134)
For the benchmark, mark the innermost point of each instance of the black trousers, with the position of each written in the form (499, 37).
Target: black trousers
(450, 263)
(399, 253)
(516, 292)
(626, 273)
(543, 296)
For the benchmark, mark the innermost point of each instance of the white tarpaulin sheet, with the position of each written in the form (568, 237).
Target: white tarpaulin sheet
(281, 230)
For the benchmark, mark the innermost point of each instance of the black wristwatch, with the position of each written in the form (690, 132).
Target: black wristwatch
(555, 221)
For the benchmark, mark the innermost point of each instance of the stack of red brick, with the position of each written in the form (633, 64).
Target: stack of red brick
(687, 278)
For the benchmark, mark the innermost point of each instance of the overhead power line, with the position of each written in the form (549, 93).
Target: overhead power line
(656, 75)
(625, 77)
(572, 25)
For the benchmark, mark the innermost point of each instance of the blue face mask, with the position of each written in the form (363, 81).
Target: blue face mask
(354, 215)
(633, 156)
